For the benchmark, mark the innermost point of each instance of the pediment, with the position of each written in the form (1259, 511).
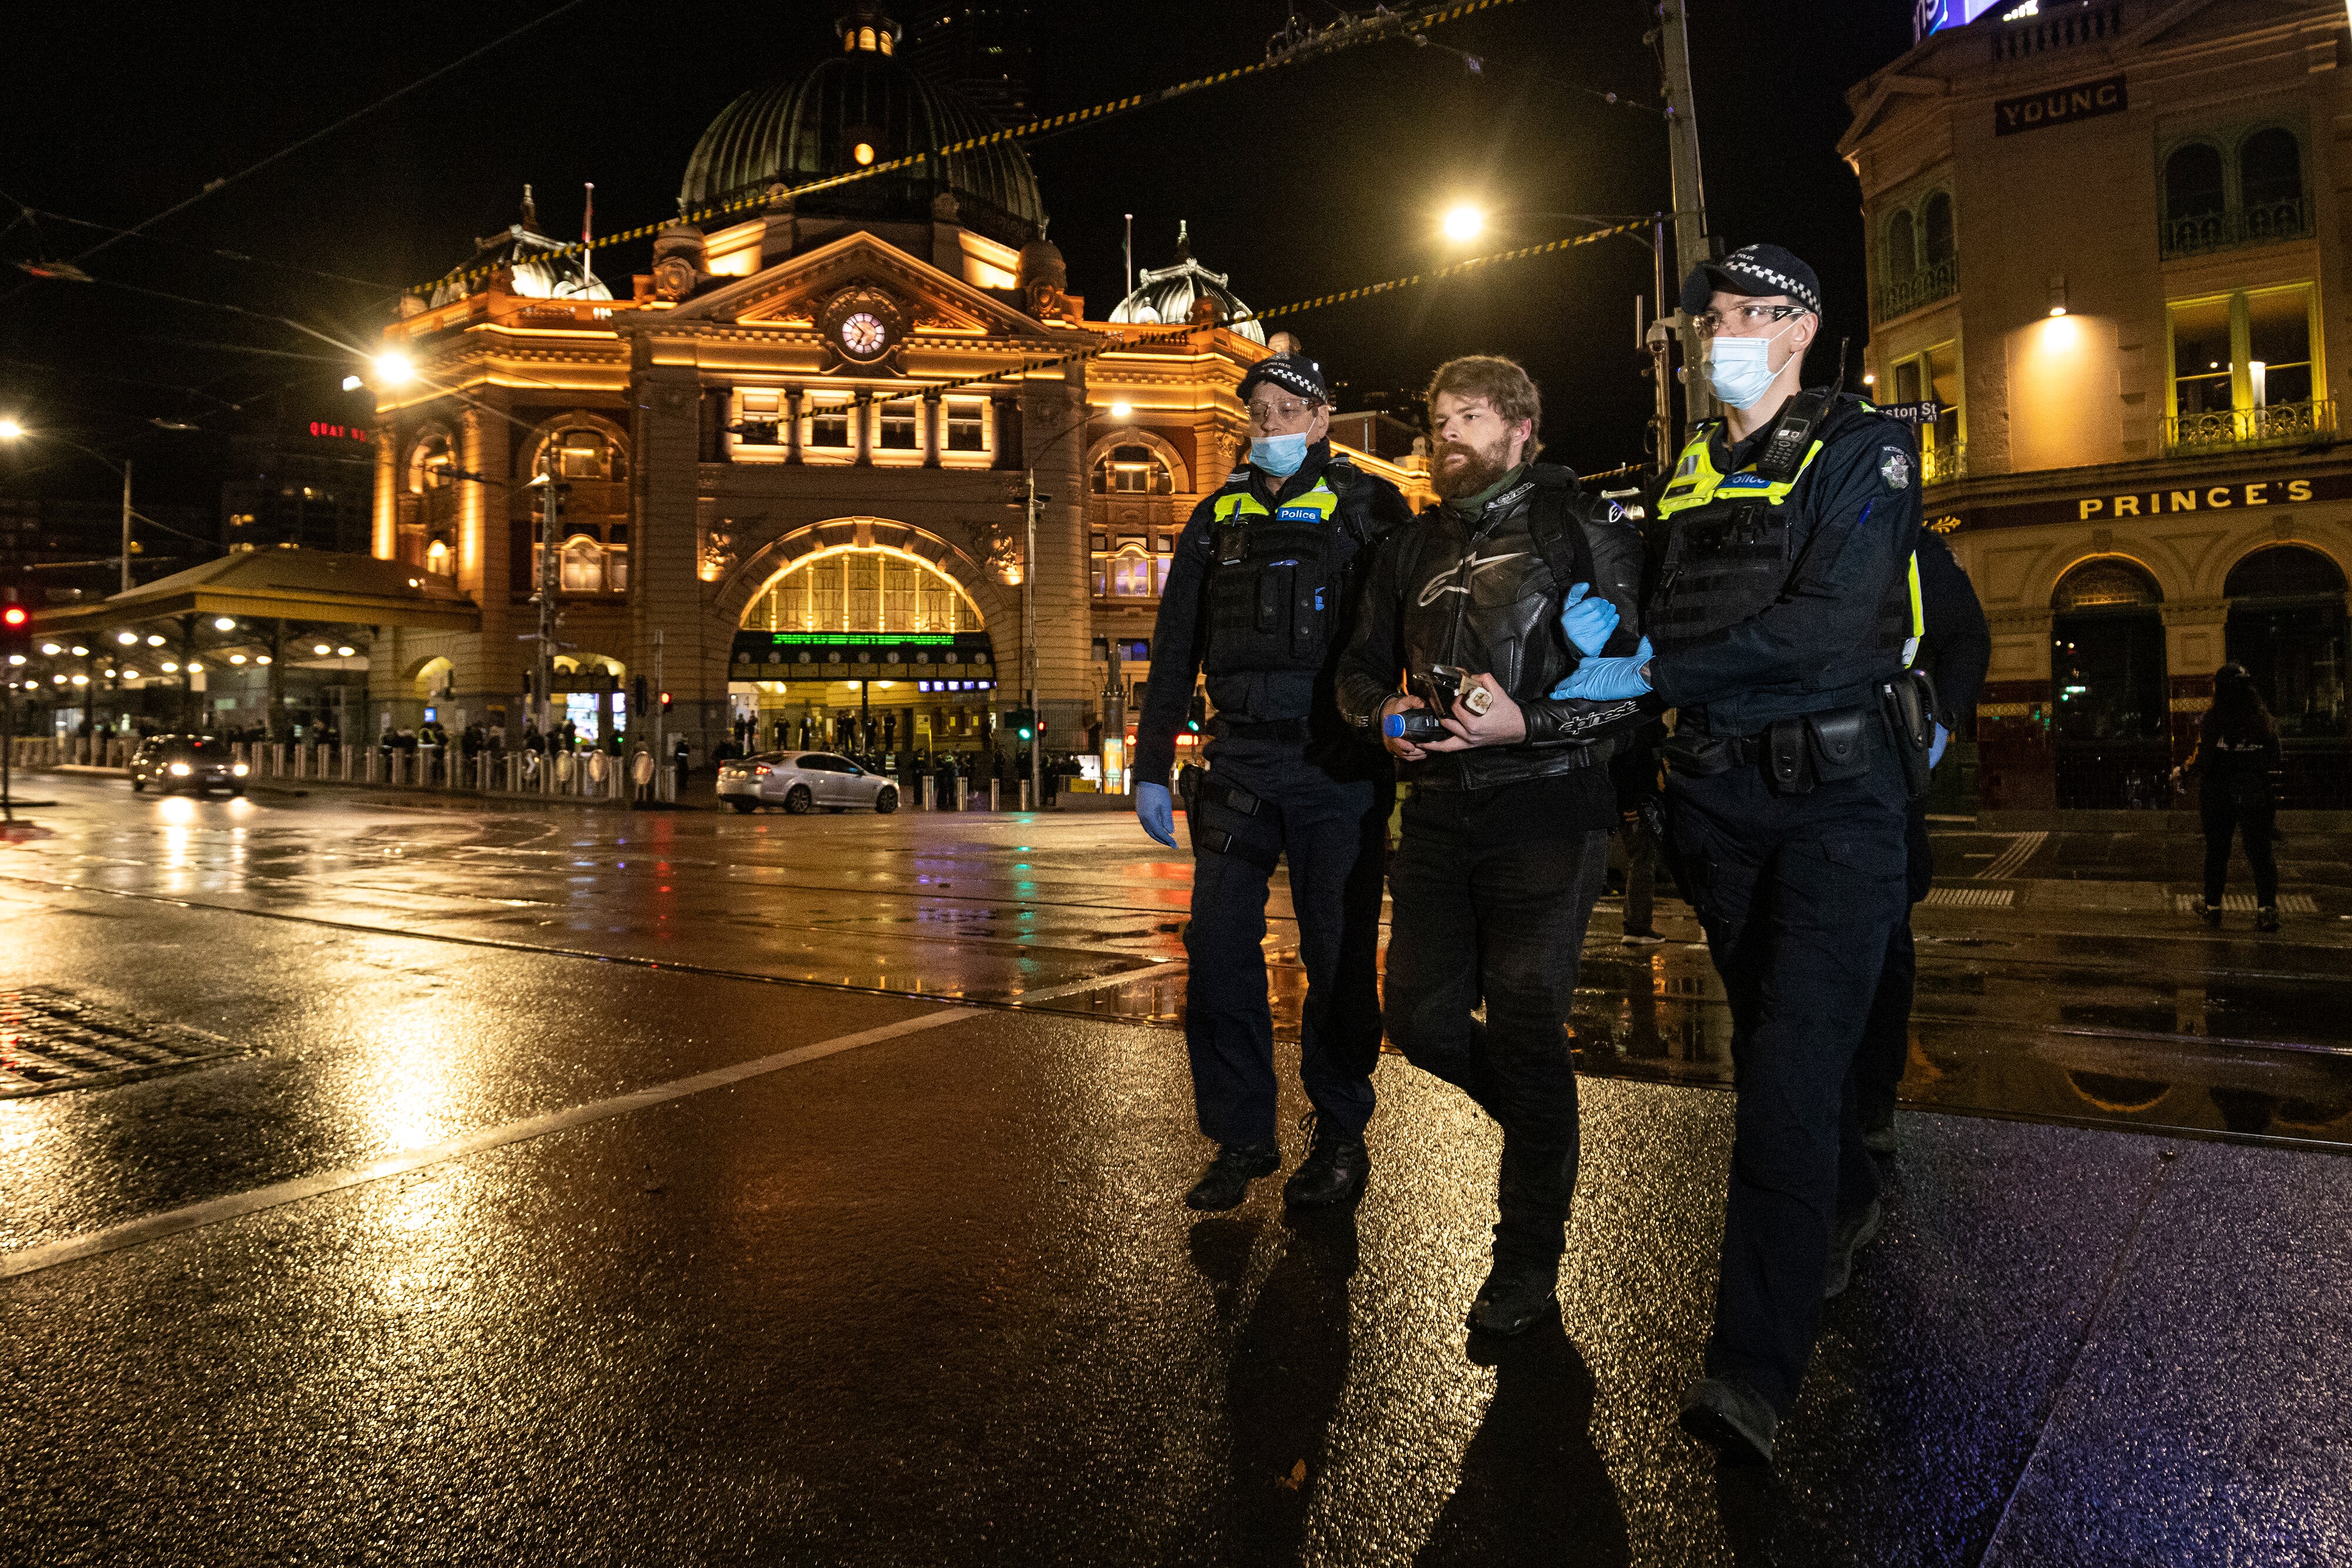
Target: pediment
(2188, 20)
(1884, 94)
(796, 290)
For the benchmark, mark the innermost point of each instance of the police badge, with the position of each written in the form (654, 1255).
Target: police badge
(1895, 467)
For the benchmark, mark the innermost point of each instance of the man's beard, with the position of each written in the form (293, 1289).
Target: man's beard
(1478, 469)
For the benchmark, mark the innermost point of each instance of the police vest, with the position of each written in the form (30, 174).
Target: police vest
(1728, 556)
(1275, 575)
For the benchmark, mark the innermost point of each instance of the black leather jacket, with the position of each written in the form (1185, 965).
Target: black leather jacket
(1475, 591)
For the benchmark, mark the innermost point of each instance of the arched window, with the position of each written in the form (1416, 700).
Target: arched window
(2193, 182)
(1936, 220)
(2288, 627)
(2270, 184)
(871, 589)
(587, 566)
(2109, 582)
(1902, 247)
(429, 462)
(2113, 705)
(1135, 470)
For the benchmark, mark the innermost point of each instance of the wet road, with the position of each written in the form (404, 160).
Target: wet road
(450, 1184)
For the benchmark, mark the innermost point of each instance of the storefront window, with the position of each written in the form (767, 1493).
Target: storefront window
(2288, 627)
(2112, 701)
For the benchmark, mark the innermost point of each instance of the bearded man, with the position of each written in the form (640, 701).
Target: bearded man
(1471, 615)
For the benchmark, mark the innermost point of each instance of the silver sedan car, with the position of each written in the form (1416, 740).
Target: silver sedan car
(801, 782)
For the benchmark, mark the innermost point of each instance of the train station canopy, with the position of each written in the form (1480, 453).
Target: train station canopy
(283, 584)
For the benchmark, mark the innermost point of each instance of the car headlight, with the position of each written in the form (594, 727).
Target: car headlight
(240, 771)
(180, 771)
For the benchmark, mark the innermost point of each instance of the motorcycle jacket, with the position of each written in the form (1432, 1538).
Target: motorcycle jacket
(1260, 597)
(1482, 593)
(1783, 593)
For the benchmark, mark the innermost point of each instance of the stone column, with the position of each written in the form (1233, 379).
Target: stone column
(930, 430)
(384, 532)
(861, 412)
(791, 424)
(1005, 426)
(1052, 417)
(665, 590)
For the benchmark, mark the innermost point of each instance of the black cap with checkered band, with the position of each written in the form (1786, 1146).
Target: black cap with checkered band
(1756, 271)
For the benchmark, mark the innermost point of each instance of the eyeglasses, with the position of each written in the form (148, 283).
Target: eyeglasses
(1266, 414)
(1743, 317)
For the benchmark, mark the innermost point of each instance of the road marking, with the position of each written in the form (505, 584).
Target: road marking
(235, 1206)
(2021, 849)
(1100, 982)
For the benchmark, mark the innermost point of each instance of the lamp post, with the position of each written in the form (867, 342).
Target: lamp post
(1029, 607)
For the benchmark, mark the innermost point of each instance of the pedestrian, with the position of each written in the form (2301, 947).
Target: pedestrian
(1514, 580)
(681, 759)
(2237, 752)
(1286, 779)
(1955, 648)
(1779, 621)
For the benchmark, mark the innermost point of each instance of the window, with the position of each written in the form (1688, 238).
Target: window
(1902, 246)
(967, 426)
(584, 566)
(1918, 263)
(2245, 371)
(898, 426)
(1134, 470)
(829, 424)
(1130, 572)
(2217, 194)
(866, 590)
(1935, 375)
(1936, 228)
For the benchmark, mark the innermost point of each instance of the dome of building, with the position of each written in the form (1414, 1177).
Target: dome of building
(867, 105)
(1166, 295)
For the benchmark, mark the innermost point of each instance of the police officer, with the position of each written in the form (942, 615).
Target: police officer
(1955, 647)
(1259, 596)
(1778, 626)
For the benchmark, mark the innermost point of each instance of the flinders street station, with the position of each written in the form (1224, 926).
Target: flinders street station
(797, 457)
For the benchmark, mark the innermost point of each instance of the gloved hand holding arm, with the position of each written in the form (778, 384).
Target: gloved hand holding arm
(1587, 618)
(1157, 812)
(1609, 680)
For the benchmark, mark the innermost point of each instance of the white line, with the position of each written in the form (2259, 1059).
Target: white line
(1100, 982)
(171, 1222)
(2013, 859)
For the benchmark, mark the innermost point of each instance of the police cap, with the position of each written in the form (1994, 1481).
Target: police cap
(1292, 372)
(1754, 270)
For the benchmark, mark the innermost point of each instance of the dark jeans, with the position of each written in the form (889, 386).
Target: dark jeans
(1502, 925)
(2253, 821)
(1799, 894)
(1887, 1037)
(1334, 837)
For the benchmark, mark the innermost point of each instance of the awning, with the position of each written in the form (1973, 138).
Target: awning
(283, 584)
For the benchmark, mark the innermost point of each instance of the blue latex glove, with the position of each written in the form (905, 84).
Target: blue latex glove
(1588, 621)
(1935, 747)
(1157, 812)
(1608, 680)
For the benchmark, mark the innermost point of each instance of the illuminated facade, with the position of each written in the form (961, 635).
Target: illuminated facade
(2105, 238)
(799, 451)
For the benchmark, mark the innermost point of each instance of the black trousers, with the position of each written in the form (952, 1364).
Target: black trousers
(1799, 895)
(1887, 1037)
(1334, 836)
(1501, 925)
(2221, 816)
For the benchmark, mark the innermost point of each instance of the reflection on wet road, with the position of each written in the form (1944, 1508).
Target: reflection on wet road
(2086, 999)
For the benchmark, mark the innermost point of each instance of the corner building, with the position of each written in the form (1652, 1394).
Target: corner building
(2109, 239)
(799, 451)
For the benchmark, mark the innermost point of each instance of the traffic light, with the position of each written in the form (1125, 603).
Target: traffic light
(1199, 715)
(16, 632)
(1023, 722)
(665, 704)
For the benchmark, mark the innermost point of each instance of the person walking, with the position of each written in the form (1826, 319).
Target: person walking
(1955, 647)
(1260, 598)
(2237, 753)
(681, 759)
(1776, 632)
(1516, 580)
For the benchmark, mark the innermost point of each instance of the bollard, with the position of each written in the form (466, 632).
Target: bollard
(1024, 795)
(962, 793)
(992, 793)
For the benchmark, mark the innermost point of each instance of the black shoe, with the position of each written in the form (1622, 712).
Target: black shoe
(1853, 1233)
(2266, 917)
(1334, 1171)
(1732, 1418)
(2212, 916)
(1226, 1181)
(1516, 1296)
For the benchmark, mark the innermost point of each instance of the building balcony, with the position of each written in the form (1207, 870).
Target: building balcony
(1924, 287)
(2234, 430)
(2207, 231)
(1946, 460)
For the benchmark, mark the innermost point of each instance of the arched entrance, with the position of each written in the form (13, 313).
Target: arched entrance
(2287, 626)
(2113, 709)
(865, 648)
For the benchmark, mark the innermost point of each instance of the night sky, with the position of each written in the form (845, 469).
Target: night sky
(1311, 179)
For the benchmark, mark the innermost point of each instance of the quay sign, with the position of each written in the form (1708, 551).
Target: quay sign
(2059, 106)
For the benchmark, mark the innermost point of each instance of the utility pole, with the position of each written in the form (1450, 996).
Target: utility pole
(1659, 341)
(550, 514)
(1029, 645)
(1692, 242)
(126, 525)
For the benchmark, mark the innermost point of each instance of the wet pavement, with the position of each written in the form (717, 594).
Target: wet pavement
(586, 1186)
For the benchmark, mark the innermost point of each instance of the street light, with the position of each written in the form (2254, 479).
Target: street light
(1463, 223)
(223, 623)
(395, 369)
(10, 430)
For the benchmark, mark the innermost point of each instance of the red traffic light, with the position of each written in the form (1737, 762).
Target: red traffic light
(15, 615)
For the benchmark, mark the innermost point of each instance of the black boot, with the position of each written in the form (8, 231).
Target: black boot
(1518, 1292)
(1226, 1181)
(2266, 917)
(1334, 1171)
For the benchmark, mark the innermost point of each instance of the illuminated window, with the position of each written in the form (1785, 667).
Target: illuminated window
(967, 426)
(1935, 373)
(429, 465)
(581, 455)
(1133, 471)
(875, 589)
(829, 424)
(2244, 369)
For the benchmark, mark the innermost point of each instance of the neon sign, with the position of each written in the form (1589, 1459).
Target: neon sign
(326, 431)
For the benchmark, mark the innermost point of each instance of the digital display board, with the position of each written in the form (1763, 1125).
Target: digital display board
(1934, 15)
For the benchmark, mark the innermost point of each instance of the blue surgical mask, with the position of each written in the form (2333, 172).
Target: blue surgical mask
(1279, 456)
(1740, 369)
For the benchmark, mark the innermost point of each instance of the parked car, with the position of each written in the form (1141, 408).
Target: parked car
(197, 762)
(803, 781)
